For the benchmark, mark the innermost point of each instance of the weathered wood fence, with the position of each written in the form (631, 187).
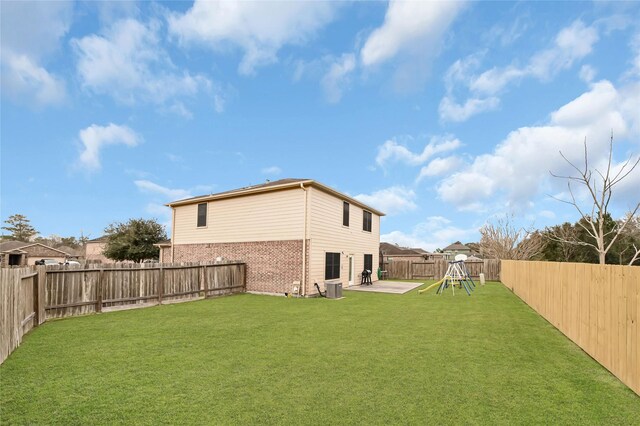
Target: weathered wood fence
(596, 306)
(435, 269)
(18, 307)
(29, 296)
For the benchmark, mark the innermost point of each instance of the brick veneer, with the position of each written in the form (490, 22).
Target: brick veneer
(272, 266)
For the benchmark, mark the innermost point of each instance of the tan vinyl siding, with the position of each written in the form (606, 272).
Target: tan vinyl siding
(270, 216)
(327, 234)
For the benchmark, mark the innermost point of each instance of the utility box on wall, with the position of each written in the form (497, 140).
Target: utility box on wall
(334, 290)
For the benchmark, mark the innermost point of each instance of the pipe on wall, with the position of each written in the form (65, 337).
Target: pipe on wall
(304, 244)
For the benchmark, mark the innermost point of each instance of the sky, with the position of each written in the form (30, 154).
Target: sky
(444, 115)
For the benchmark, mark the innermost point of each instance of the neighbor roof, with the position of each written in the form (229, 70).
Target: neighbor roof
(456, 246)
(98, 240)
(394, 250)
(272, 186)
(12, 245)
(19, 245)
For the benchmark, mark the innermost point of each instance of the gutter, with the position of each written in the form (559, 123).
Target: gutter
(173, 231)
(304, 243)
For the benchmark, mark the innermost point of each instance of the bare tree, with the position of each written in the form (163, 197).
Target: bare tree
(503, 240)
(600, 189)
(561, 234)
(631, 237)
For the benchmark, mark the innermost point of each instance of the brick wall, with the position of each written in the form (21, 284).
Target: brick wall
(272, 266)
(93, 252)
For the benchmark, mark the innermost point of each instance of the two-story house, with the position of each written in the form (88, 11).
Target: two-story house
(291, 233)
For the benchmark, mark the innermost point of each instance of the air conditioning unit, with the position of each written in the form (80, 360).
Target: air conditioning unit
(333, 290)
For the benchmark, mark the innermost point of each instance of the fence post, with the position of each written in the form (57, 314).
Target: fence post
(160, 285)
(203, 280)
(42, 295)
(36, 306)
(244, 277)
(99, 291)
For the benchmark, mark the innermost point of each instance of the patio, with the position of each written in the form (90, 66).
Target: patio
(384, 286)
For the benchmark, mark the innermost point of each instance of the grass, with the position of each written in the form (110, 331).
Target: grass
(366, 359)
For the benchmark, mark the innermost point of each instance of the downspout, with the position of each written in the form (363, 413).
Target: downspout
(173, 230)
(304, 244)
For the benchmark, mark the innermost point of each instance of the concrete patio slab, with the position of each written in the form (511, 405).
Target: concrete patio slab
(394, 287)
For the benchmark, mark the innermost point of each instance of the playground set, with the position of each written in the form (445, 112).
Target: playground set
(457, 275)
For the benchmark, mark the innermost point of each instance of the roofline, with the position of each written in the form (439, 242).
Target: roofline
(259, 190)
(38, 244)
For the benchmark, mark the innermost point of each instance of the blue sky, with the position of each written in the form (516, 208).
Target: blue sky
(444, 115)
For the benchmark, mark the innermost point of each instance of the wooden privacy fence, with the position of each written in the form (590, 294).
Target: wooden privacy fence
(18, 307)
(435, 269)
(596, 306)
(28, 297)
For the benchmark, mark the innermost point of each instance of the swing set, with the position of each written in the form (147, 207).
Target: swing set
(456, 275)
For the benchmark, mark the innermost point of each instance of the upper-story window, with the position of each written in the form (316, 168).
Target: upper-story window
(202, 215)
(366, 221)
(345, 213)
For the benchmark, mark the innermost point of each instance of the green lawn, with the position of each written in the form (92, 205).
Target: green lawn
(367, 359)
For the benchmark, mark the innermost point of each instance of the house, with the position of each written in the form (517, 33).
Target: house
(393, 252)
(93, 250)
(265, 225)
(454, 249)
(17, 253)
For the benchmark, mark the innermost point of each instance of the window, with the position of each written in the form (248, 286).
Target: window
(366, 221)
(345, 213)
(332, 266)
(202, 215)
(368, 262)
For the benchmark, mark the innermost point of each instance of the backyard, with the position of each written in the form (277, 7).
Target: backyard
(368, 358)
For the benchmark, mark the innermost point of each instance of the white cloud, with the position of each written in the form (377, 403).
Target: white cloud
(273, 170)
(587, 73)
(451, 111)
(219, 103)
(635, 60)
(30, 33)
(439, 166)
(149, 187)
(128, 63)
(411, 36)
(392, 151)
(435, 232)
(393, 200)
(260, 29)
(335, 80)
(570, 45)
(22, 77)
(408, 27)
(94, 138)
(518, 169)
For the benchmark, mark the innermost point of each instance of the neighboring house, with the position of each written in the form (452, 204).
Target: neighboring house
(454, 249)
(165, 249)
(265, 225)
(16, 253)
(393, 252)
(93, 250)
(74, 253)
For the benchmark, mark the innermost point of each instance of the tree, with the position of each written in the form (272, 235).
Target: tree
(20, 227)
(629, 250)
(134, 240)
(503, 240)
(599, 187)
